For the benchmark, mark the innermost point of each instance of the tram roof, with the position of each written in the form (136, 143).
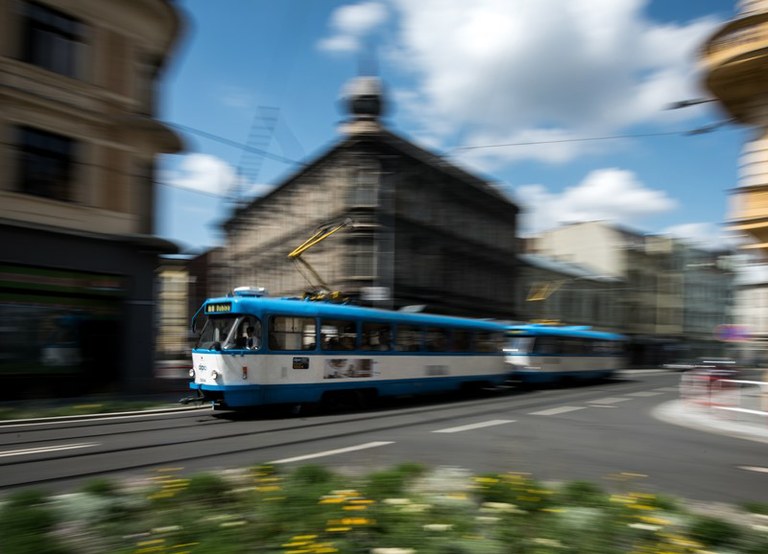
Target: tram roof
(308, 308)
(562, 331)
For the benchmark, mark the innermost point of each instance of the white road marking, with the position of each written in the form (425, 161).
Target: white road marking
(609, 400)
(740, 410)
(755, 468)
(99, 418)
(44, 449)
(475, 426)
(644, 393)
(332, 452)
(558, 410)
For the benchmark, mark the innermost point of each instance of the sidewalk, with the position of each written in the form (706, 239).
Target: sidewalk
(714, 419)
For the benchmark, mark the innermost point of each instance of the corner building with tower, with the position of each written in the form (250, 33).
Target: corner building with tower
(417, 229)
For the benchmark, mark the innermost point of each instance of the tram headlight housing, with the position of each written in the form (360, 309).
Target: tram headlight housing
(192, 373)
(214, 374)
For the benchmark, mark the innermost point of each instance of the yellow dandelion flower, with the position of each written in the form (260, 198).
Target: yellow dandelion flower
(338, 529)
(152, 542)
(354, 508)
(269, 488)
(331, 500)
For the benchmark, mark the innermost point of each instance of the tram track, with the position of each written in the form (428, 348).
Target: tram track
(287, 423)
(95, 462)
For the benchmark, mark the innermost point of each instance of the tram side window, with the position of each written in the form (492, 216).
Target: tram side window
(436, 339)
(545, 346)
(290, 333)
(486, 341)
(376, 336)
(462, 340)
(338, 334)
(408, 338)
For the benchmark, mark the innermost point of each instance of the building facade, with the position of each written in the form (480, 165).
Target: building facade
(568, 294)
(734, 61)
(416, 229)
(78, 254)
(673, 298)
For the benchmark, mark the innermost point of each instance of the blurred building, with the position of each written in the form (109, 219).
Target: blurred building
(78, 254)
(173, 284)
(751, 314)
(735, 64)
(208, 276)
(673, 297)
(416, 229)
(568, 294)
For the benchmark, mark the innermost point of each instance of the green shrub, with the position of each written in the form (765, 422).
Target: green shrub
(756, 507)
(313, 474)
(100, 487)
(206, 488)
(714, 532)
(391, 482)
(26, 521)
(582, 493)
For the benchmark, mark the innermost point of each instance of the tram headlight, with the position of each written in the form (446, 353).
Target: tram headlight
(214, 374)
(192, 373)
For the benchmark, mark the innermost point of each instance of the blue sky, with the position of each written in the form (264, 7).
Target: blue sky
(464, 78)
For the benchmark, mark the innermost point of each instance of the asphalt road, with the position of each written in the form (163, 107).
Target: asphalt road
(604, 433)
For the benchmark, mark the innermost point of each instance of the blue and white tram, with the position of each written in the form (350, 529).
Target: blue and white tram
(548, 353)
(255, 350)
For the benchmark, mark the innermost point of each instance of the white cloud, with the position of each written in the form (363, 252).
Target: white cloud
(351, 23)
(505, 69)
(710, 236)
(211, 175)
(604, 194)
(203, 173)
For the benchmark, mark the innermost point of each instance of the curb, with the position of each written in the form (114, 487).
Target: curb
(678, 412)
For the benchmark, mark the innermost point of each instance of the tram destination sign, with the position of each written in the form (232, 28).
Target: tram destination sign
(218, 308)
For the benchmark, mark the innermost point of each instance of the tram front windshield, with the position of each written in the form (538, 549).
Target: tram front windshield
(229, 331)
(519, 345)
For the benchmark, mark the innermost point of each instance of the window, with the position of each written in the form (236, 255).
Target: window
(436, 339)
(360, 257)
(408, 338)
(376, 336)
(45, 164)
(52, 39)
(291, 333)
(338, 334)
(363, 190)
(462, 340)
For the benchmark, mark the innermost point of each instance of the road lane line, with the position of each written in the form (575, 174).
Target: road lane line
(755, 468)
(558, 410)
(608, 400)
(644, 393)
(332, 452)
(45, 449)
(475, 426)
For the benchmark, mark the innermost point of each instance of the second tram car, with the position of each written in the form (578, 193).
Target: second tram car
(549, 353)
(255, 350)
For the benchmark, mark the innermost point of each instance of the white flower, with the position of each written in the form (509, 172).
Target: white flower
(438, 527)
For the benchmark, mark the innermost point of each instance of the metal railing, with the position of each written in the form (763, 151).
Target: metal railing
(729, 398)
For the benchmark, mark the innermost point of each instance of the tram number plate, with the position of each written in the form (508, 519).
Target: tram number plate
(300, 362)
